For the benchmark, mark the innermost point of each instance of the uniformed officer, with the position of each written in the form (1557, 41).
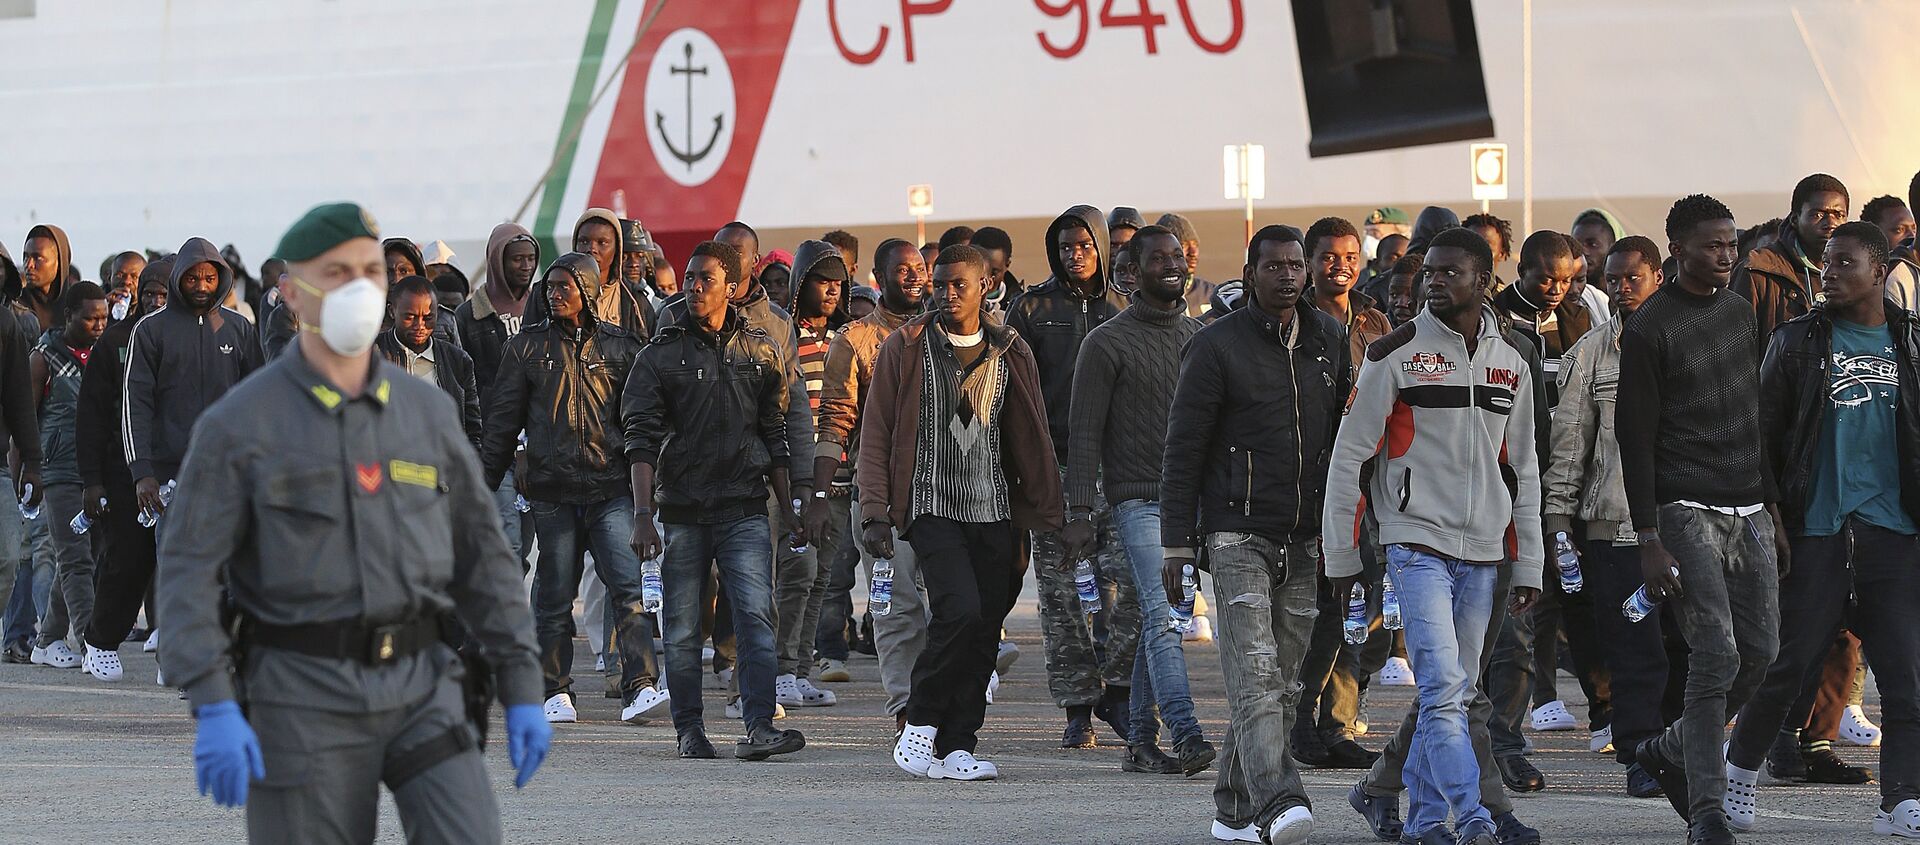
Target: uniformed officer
(331, 513)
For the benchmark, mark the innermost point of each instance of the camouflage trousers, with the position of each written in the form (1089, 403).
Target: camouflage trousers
(1075, 670)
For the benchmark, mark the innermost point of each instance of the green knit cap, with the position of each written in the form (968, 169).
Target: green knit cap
(324, 227)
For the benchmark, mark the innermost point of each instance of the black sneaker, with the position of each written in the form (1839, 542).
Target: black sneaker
(1308, 749)
(1783, 759)
(1640, 784)
(1825, 766)
(1672, 779)
(1710, 829)
(1347, 754)
(1519, 774)
(694, 746)
(1508, 830)
(764, 740)
(1116, 709)
(1195, 754)
(1150, 760)
(1381, 812)
(1079, 732)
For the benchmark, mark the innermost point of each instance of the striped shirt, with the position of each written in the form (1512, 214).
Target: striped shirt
(812, 353)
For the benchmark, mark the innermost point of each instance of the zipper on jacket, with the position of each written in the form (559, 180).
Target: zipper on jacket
(1406, 487)
(1299, 456)
(1246, 503)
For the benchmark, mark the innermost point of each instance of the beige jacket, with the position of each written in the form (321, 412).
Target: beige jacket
(1583, 480)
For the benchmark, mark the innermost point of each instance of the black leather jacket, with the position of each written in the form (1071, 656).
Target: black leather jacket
(708, 412)
(562, 386)
(1252, 427)
(1795, 380)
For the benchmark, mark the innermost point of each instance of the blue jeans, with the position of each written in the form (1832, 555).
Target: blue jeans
(1447, 605)
(516, 525)
(742, 550)
(1159, 665)
(566, 533)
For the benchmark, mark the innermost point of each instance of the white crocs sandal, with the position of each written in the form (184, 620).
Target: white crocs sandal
(961, 765)
(1902, 821)
(914, 752)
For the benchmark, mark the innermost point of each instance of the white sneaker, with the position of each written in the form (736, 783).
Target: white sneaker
(644, 703)
(734, 712)
(600, 663)
(1857, 729)
(1601, 742)
(560, 710)
(1396, 673)
(1202, 631)
(57, 655)
(1553, 716)
(721, 680)
(102, 664)
(1291, 828)
(1250, 833)
(1902, 821)
(812, 696)
(152, 644)
(993, 686)
(913, 752)
(160, 679)
(1741, 801)
(962, 765)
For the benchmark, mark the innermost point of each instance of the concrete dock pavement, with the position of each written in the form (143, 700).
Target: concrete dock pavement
(88, 762)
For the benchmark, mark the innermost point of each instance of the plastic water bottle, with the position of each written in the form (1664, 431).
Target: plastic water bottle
(1569, 562)
(1182, 610)
(149, 519)
(80, 524)
(521, 504)
(880, 583)
(652, 590)
(30, 512)
(1356, 624)
(1083, 583)
(1389, 605)
(794, 543)
(1639, 605)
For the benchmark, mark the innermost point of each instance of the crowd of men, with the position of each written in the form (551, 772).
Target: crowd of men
(1507, 475)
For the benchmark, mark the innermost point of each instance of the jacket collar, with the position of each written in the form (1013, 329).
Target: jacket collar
(1490, 325)
(483, 302)
(998, 335)
(324, 393)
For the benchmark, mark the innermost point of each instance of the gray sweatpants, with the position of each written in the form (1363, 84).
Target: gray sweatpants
(901, 635)
(323, 784)
(72, 607)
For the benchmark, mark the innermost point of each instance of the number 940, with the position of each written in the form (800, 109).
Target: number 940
(1144, 18)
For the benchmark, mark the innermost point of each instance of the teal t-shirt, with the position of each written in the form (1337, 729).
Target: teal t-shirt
(1856, 470)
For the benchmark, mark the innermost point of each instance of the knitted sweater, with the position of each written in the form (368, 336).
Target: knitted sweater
(1688, 407)
(1122, 391)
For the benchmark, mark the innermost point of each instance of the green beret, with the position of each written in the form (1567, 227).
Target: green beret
(1388, 215)
(323, 228)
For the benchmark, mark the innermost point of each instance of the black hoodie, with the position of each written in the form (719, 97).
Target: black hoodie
(178, 363)
(97, 445)
(17, 417)
(562, 387)
(1053, 319)
(25, 300)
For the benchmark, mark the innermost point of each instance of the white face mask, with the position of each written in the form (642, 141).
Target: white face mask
(349, 315)
(119, 311)
(1371, 246)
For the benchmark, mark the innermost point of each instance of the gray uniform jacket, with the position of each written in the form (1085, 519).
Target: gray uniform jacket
(307, 506)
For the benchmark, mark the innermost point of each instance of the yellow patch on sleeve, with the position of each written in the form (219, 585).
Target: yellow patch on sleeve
(418, 475)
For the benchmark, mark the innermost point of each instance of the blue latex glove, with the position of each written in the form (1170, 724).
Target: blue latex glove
(226, 754)
(527, 737)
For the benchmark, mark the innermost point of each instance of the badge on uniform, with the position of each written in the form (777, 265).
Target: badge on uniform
(418, 475)
(369, 477)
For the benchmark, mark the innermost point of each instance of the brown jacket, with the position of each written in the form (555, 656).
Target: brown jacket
(1365, 323)
(891, 429)
(1774, 280)
(843, 389)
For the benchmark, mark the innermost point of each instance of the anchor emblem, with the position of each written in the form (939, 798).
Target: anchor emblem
(687, 155)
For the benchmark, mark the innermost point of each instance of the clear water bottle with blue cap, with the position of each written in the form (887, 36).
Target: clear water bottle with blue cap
(30, 512)
(1182, 610)
(1355, 626)
(1639, 605)
(1567, 559)
(1084, 584)
(880, 587)
(1390, 605)
(652, 589)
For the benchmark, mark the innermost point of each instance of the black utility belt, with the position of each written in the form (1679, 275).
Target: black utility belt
(350, 639)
